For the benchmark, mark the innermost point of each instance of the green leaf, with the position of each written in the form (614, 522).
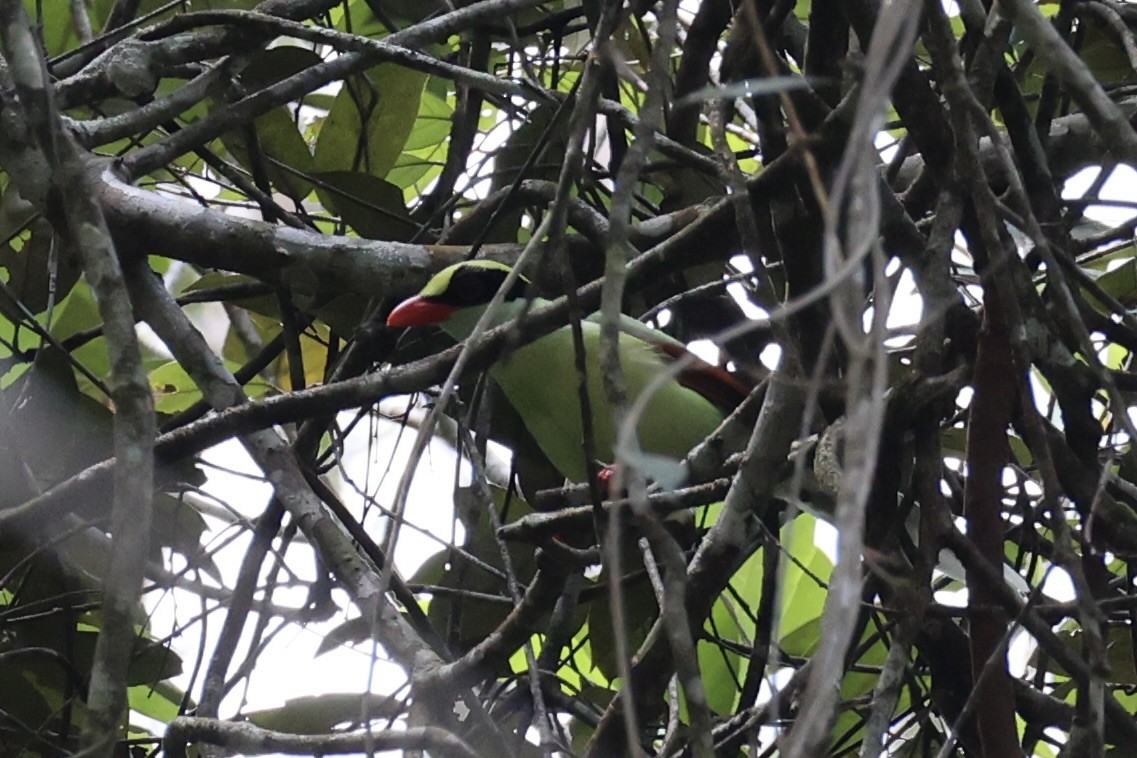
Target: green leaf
(803, 598)
(370, 121)
(51, 429)
(1120, 283)
(350, 632)
(579, 672)
(150, 663)
(433, 124)
(469, 619)
(268, 305)
(640, 611)
(356, 17)
(201, 5)
(1119, 654)
(724, 670)
(1103, 53)
(277, 134)
(319, 714)
(527, 138)
(849, 729)
(415, 170)
(77, 313)
(58, 33)
(371, 206)
(28, 259)
(173, 388)
(161, 701)
(433, 569)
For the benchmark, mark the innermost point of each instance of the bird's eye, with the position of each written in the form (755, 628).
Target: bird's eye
(476, 288)
(469, 289)
(473, 287)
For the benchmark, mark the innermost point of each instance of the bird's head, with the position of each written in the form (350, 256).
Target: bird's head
(456, 297)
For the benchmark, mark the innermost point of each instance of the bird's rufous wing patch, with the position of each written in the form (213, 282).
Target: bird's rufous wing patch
(719, 386)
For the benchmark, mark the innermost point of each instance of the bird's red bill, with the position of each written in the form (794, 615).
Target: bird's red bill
(418, 311)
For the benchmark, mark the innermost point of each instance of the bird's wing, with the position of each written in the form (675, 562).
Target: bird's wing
(722, 388)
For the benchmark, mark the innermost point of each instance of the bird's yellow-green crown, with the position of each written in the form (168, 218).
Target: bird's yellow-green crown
(440, 282)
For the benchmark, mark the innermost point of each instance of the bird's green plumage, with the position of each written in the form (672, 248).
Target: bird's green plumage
(541, 381)
(675, 420)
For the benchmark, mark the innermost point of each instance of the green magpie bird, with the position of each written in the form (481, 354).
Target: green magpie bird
(540, 379)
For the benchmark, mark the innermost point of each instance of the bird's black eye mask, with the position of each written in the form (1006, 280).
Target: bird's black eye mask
(471, 286)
